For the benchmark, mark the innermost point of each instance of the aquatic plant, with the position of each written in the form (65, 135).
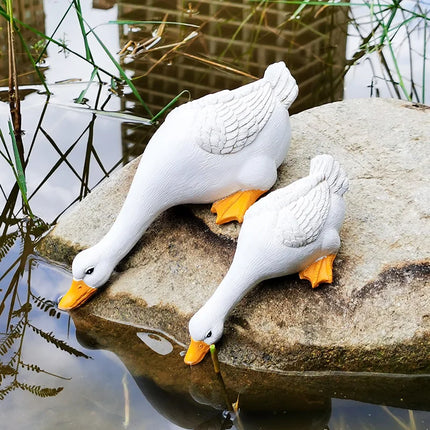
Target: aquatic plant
(15, 309)
(17, 166)
(232, 408)
(381, 27)
(86, 31)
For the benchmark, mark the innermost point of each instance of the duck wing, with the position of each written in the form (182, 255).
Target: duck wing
(301, 221)
(297, 213)
(228, 121)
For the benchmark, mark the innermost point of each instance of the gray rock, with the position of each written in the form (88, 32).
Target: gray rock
(376, 314)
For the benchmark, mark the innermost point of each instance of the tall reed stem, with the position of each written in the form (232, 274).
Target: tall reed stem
(14, 102)
(15, 111)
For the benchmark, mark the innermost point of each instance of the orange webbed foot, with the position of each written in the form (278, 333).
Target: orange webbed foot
(233, 207)
(321, 271)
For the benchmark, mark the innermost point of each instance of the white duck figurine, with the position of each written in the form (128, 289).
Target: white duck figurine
(293, 229)
(223, 148)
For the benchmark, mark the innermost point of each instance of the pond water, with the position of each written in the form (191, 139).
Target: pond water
(61, 371)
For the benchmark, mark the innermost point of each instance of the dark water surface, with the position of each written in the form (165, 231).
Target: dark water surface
(59, 372)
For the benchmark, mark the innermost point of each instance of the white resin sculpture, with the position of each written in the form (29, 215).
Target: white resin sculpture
(223, 148)
(293, 229)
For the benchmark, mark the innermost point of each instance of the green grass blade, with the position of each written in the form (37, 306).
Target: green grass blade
(88, 54)
(155, 117)
(240, 27)
(122, 73)
(54, 41)
(118, 66)
(81, 97)
(18, 164)
(9, 10)
(19, 171)
(399, 74)
(385, 38)
(33, 63)
(298, 11)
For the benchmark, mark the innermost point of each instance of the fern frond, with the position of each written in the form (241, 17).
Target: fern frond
(7, 341)
(6, 243)
(47, 306)
(6, 370)
(25, 308)
(37, 369)
(5, 391)
(49, 337)
(38, 390)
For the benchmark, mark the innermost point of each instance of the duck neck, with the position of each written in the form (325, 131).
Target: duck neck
(144, 202)
(236, 283)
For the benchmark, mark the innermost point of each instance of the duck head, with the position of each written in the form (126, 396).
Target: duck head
(205, 329)
(90, 271)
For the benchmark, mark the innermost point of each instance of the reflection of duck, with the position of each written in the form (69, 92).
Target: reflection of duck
(175, 397)
(224, 146)
(293, 229)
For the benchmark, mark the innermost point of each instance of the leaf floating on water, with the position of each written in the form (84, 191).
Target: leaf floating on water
(157, 343)
(110, 114)
(68, 81)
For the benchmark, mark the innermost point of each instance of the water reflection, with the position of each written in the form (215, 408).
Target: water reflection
(157, 343)
(17, 301)
(68, 152)
(33, 14)
(245, 37)
(62, 166)
(192, 397)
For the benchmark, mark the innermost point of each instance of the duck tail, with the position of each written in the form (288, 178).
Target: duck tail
(326, 167)
(282, 82)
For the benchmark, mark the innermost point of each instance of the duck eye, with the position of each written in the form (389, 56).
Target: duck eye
(209, 334)
(89, 271)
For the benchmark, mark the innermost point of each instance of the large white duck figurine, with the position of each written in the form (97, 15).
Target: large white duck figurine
(223, 148)
(293, 229)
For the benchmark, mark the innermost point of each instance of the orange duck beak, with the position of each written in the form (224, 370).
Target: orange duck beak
(79, 292)
(196, 352)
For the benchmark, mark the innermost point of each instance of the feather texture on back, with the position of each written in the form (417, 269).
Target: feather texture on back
(231, 120)
(301, 209)
(228, 121)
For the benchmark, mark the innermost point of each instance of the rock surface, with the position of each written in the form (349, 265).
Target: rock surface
(376, 314)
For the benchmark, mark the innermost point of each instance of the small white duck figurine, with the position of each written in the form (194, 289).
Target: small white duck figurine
(293, 229)
(223, 148)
